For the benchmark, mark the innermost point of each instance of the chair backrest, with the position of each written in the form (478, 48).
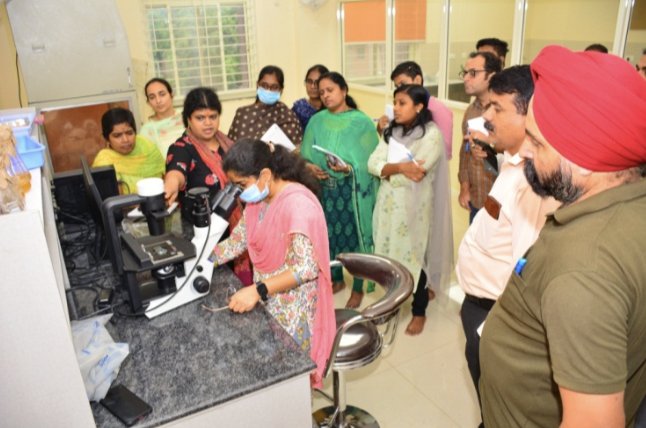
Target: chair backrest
(392, 275)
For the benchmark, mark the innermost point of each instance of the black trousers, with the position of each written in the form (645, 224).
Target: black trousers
(640, 419)
(472, 317)
(420, 298)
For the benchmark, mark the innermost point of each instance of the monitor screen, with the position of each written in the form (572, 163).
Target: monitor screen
(92, 193)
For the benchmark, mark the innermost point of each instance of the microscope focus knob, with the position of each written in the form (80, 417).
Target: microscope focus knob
(201, 284)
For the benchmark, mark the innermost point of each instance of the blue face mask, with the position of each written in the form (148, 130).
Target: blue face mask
(268, 97)
(253, 194)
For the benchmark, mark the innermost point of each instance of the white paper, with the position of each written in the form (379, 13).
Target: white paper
(136, 213)
(276, 135)
(333, 158)
(477, 124)
(390, 112)
(397, 152)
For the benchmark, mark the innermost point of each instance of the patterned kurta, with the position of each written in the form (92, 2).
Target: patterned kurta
(304, 111)
(163, 133)
(391, 216)
(254, 120)
(294, 309)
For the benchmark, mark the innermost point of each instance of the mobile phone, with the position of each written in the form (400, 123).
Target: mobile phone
(125, 405)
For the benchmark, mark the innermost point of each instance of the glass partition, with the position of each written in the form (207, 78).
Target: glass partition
(417, 33)
(636, 40)
(575, 24)
(470, 21)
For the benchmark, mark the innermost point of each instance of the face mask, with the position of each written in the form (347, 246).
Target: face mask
(253, 194)
(268, 97)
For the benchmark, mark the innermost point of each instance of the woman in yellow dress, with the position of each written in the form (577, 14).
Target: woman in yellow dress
(133, 157)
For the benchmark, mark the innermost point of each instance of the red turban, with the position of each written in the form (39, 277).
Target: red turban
(591, 107)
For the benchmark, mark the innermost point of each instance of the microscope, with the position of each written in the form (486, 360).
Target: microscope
(180, 269)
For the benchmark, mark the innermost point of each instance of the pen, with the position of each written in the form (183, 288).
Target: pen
(412, 159)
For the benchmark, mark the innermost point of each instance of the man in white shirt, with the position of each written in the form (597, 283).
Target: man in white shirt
(513, 214)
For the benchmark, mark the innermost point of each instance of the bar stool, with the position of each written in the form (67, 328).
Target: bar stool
(358, 341)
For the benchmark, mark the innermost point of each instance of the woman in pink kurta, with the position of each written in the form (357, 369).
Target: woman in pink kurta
(284, 229)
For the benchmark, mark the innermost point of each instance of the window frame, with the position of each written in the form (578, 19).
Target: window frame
(520, 13)
(249, 32)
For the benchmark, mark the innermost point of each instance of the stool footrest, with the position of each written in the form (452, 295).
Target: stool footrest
(353, 417)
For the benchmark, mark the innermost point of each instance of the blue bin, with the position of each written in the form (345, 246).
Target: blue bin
(30, 151)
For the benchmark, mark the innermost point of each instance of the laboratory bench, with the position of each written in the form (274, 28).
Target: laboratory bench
(201, 368)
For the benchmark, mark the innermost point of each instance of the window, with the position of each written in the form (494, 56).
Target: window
(417, 37)
(201, 43)
(574, 24)
(470, 21)
(365, 38)
(364, 41)
(636, 39)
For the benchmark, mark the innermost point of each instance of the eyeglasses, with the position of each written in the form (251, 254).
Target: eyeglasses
(310, 82)
(471, 73)
(231, 290)
(272, 88)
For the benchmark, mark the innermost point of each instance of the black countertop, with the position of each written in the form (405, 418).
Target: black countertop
(190, 359)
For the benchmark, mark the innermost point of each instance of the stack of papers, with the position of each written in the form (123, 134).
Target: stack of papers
(478, 124)
(333, 158)
(397, 152)
(276, 135)
(390, 112)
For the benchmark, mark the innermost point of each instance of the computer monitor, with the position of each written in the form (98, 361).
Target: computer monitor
(94, 202)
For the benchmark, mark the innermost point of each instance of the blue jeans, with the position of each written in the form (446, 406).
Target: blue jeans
(473, 212)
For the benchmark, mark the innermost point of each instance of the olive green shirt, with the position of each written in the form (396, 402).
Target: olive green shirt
(575, 317)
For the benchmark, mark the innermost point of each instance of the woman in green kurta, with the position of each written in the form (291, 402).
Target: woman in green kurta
(413, 205)
(349, 192)
(133, 157)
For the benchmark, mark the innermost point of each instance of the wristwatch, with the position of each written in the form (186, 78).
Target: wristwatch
(261, 288)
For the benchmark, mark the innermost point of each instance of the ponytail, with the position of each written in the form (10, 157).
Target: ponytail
(418, 95)
(349, 101)
(340, 80)
(248, 157)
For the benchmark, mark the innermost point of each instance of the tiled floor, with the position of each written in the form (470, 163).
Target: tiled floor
(420, 381)
(423, 381)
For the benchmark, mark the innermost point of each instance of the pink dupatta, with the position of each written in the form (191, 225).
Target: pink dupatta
(297, 210)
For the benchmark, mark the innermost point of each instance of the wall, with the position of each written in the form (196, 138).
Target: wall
(288, 34)
(550, 22)
(9, 88)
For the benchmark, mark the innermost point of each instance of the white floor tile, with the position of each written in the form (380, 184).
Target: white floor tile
(395, 402)
(444, 379)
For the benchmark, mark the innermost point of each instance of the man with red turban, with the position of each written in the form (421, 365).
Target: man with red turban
(565, 345)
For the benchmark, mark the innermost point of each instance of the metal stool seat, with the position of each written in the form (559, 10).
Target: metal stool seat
(360, 344)
(358, 340)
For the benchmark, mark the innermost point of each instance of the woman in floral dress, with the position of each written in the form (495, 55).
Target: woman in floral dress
(412, 218)
(284, 229)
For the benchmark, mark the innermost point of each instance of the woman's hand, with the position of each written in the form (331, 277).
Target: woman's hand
(345, 169)
(318, 172)
(244, 300)
(413, 171)
(173, 181)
